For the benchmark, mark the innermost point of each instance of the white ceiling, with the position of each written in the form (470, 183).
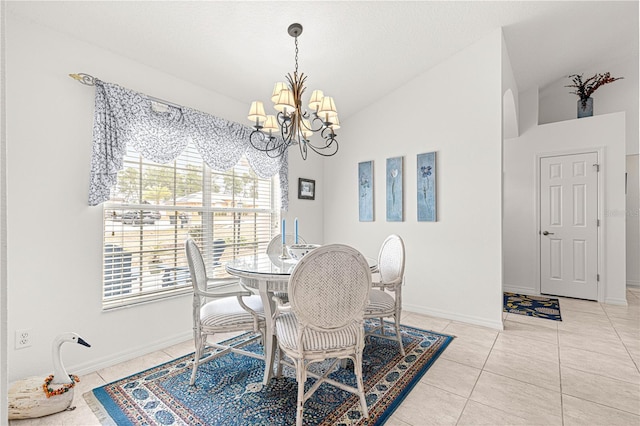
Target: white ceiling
(355, 51)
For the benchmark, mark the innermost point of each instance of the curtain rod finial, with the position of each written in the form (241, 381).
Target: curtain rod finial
(83, 78)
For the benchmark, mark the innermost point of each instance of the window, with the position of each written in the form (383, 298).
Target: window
(155, 207)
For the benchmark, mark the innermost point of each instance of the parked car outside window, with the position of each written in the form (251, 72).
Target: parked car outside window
(135, 217)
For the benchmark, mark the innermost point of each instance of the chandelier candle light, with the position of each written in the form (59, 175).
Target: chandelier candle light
(295, 125)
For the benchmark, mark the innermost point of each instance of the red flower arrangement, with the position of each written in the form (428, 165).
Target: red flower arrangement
(584, 89)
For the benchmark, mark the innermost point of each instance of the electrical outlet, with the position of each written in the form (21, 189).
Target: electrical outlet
(23, 338)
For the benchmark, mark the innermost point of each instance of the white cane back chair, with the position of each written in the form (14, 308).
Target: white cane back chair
(385, 299)
(275, 249)
(225, 307)
(275, 245)
(328, 291)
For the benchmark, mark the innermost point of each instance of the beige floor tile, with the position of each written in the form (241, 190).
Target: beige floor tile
(586, 318)
(526, 347)
(635, 356)
(467, 353)
(81, 416)
(535, 404)
(529, 331)
(451, 376)
(628, 325)
(607, 344)
(180, 349)
(601, 390)
(545, 374)
(135, 365)
(628, 312)
(482, 415)
(579, 412)
(480, 336)
(579, 305)
(541, 322)
(630, 340)
(621, 368)
(427, 405)
(394, 421)
(424, 322)
(579, 327)
(87, 383)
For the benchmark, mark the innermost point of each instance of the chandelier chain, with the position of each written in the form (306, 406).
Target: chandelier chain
(296, 72)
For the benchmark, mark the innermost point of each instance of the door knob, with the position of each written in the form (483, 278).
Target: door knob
(547, 233)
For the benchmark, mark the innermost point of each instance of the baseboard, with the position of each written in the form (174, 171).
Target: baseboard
(111, 360)
(615, 301)
(633, 283)
(497, 325)
(520, 290)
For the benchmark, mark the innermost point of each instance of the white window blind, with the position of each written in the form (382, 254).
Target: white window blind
(155, 207)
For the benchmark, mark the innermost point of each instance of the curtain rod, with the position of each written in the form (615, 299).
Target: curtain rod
(89, 80)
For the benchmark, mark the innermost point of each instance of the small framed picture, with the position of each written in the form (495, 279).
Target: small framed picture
(306, 189)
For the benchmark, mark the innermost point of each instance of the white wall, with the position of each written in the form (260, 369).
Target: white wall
(3, 225)
(520, 228)
(54, 260)
(633, 222)
(310, 213)
(510, 103)
(453, 266)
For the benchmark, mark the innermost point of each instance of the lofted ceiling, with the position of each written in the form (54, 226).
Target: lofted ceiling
(356, 51)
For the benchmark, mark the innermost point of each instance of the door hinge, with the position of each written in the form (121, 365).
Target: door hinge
(598, 277)
(597, 222)
(597, 166)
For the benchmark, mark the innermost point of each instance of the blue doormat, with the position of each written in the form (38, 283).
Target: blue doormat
(229, 388)
(533, 306)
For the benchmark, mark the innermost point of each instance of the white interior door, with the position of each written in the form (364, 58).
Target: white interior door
(569, 225)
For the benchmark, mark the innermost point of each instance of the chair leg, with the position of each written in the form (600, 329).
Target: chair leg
(301, 378)
(357, 369)
(279, 368)
(398, 335)
(381, 326)
(196, 361)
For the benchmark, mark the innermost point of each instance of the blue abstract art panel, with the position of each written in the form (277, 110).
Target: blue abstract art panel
(394, 189)
(427, 187)
(365, 191)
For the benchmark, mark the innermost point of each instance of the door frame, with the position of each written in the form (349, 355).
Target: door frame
(601, 231)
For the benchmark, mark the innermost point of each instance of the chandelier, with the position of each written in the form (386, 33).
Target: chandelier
(293, 124)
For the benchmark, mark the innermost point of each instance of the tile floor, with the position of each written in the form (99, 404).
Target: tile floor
(581, 371)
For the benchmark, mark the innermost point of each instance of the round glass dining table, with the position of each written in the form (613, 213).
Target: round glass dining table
(268, 274)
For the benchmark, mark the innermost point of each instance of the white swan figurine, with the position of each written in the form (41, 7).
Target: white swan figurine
(27, 397)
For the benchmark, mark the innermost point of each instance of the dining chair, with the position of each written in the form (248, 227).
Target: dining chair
(324, 319)
(275, 248)
(385, 299)
(220, 307)
(275, 245)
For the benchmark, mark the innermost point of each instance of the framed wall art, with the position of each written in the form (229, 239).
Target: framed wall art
(306, 189)
(394, 190)
(426, 180)
(365, 191)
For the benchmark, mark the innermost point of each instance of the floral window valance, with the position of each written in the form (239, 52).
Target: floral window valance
(160, 133)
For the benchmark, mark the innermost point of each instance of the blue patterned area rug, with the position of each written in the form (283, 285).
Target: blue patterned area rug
(229, 388)
(534, 306)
